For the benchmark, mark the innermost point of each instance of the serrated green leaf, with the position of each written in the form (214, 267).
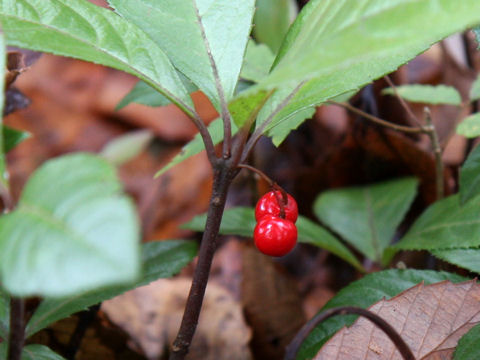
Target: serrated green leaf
(4, 314)
(272, 20)
(338, 46)
(88, 32)
(184, 29)
(280, 131)
(126, 147)
(73, 230)
(32, 352)
(470, 126)
(12, 137)
(475, 89)
(445, 224)
(241, 109)
(241, 221)
(160, 259)
(427, 94)
(3, 145)
(468, 347)
(257, 63)
(367, 216)
(465, 258)
(470, 176)
(366, 292)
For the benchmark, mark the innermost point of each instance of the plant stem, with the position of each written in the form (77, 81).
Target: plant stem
(437, 152)
(17, 329)
(406, 129)
(402, 101)
(85, 320)
(401, 346)
(223, 176)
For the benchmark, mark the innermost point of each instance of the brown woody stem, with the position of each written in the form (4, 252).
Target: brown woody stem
(16, 337)
(400, 344)
(223, 176)
(437, 152)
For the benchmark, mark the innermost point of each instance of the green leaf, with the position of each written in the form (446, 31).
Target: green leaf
(366, 292)
(126, 147)
(312, 233)
(338, 46)
(367, 216)
(88, 32)
(366, 39)
(160, 259)
(427, 94)
(73, 230)
(4, 314)
(241, 221)
(272, 20)
(12, 137)
(144, 94)
(257, 63)
(32, 352)
(185, 29)
(475, 90)
(464, 258)
(468, 347)
(445, 225)
(470, 126)
(281, 129)
(3, 145)
(470, 176)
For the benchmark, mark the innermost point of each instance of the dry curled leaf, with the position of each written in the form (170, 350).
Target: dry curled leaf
(431, 319)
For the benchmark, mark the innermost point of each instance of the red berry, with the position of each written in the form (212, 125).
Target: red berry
(275, 236)
(268, 205)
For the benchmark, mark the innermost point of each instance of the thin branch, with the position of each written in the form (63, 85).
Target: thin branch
(16, 337)
(259, 132)
(400, 344)
(406, 129)
(227, 118)
(437, 152)
(402, 101)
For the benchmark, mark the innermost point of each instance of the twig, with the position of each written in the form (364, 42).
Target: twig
(16, 337)
(226, 116)
(281, 201)
(401, 346)
(437, 151)
(406, 129)
(402, 101)
(85, 320)
(223, 176)
(259, 132)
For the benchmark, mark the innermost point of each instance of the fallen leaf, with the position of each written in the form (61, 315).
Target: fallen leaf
(431, 319)
(151, 315)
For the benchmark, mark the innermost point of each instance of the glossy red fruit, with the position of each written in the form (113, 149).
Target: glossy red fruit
(275, 236)
(268, 205)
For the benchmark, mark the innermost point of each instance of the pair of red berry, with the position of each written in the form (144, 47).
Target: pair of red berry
(274, 235)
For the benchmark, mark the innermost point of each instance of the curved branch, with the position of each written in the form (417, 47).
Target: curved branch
(406, 129)
(401, 346)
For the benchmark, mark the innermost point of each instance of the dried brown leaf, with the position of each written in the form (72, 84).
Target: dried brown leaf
(431, 319)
